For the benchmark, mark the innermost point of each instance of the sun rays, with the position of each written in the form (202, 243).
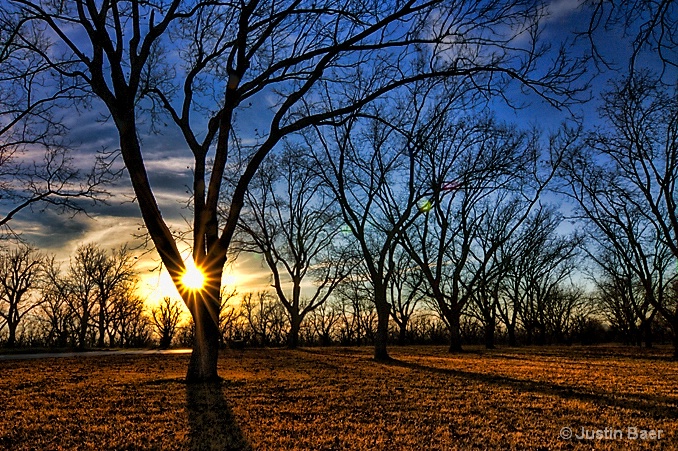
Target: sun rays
(193, 278)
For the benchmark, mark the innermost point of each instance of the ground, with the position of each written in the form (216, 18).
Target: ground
(338, 398)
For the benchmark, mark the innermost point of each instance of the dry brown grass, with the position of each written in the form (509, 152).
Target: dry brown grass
(340, 399)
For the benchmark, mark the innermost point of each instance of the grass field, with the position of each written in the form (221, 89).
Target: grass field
(338, 398)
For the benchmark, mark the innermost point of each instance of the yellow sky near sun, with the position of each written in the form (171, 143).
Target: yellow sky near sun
(155, 284)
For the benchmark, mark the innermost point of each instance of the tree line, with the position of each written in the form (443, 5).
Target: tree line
(443, 223)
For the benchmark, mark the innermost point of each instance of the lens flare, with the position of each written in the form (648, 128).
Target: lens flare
(193, 278)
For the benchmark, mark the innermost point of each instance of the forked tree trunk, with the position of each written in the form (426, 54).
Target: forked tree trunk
(205, 311)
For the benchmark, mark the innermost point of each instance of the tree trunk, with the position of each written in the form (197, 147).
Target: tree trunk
(647, 333)
(511, 330)
(454, 321)
(402, 333)
(82, 333)
(102, 325)
(11, 337)
(383, 317)
(489, 333)
(295, 326)
(204, 307)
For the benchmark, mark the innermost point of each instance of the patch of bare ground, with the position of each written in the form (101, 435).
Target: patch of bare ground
(338, 398)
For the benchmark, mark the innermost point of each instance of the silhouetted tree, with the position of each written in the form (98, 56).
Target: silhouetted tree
(484, 179)
(166, 317)
(649, 27)
(57, 316)
(20, 270)
(294, 226)
(621, 298)
(129, 325)
(111, 273)
(266, 318)
(405, 292)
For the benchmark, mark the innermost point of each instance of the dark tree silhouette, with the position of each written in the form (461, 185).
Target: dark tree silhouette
(650, 27)
(294, 226)
(166, 317)
(20, 272)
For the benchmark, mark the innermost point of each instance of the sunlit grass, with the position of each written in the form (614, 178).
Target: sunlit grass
(339, 398)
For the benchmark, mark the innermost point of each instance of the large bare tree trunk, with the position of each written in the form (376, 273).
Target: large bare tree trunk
(295, 326)
(205, 311)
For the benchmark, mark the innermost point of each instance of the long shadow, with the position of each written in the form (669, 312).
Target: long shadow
(657, 406)
(212, 424)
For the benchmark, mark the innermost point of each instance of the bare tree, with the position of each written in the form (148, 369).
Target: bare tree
(81, 291)
(324, 322)
(166, 318)
(485, 178)
(405, 292)
(112, 274)
(300, 52)
(229, 317)
(621, 297)
(266, 318)
(624, 183)
(20, 272)
(129, 324)
(294, 226)
(55, 310)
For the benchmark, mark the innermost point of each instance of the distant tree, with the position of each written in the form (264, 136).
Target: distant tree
(55, 312)
(81, 289)
(229, 316)
(129, 325)
(20, 271)
(621, 297)
(484, 179)
(265, 317)
(166, 317)
(112, 273)
(197, 64)
(294, 226)
(544, 260)
(324, 321)
(357, 313)
(405, 293)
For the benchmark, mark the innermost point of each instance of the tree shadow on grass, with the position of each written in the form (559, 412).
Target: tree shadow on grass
(212, 424)
(657, 406)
